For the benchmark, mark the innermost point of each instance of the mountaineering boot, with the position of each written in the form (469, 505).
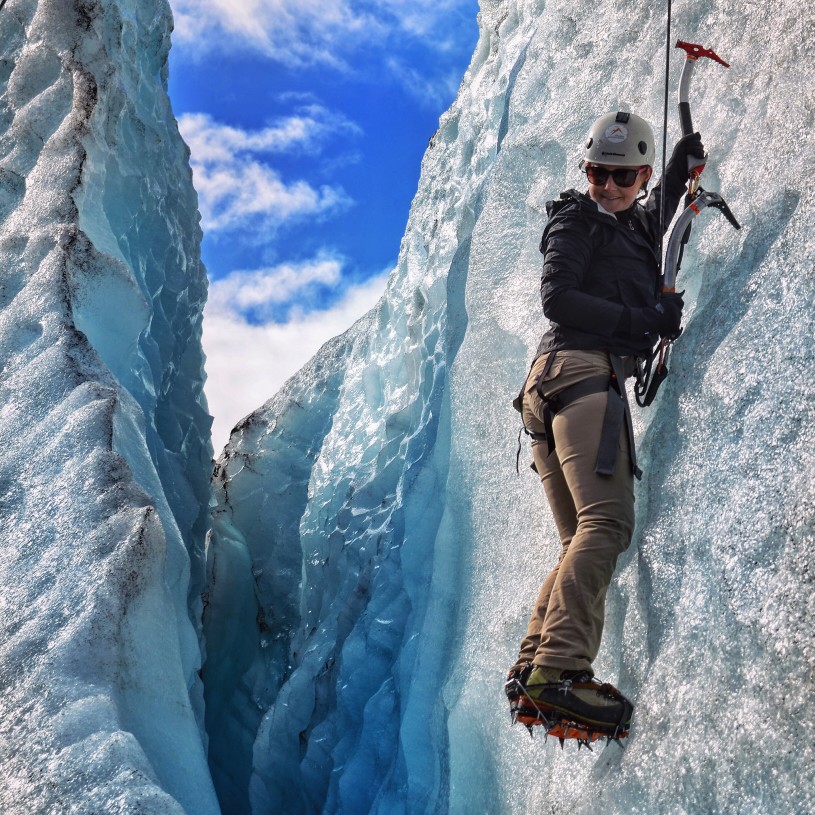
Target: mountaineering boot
(556, 696)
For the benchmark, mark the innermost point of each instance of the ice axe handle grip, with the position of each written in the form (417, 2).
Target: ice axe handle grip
(695, 165)
(685, 119)
(692, 54)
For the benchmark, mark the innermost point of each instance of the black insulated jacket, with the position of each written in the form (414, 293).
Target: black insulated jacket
(596, 265)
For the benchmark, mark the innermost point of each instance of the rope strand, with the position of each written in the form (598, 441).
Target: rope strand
(664, 135)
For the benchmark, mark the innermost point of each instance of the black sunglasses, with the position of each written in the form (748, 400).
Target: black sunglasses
(622, 176)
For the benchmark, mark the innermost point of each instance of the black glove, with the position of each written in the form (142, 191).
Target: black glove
(672, 305)
(664, 318)
(687, 147)
(690, 145)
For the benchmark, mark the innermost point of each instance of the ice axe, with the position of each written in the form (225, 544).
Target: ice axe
(692, 54)
(696, 200)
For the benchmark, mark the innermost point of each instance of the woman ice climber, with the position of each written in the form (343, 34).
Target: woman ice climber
(600, 291)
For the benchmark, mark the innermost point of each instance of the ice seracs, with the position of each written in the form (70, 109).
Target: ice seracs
(370, 539)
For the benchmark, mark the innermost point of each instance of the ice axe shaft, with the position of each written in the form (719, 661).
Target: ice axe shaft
(695, 201)
(692, 54)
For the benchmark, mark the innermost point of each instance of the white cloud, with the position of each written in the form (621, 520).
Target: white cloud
(422, 18)
(234, 195)
(212, 142)
(307, 32)
(247, 364)
(236, 188)
(253, 290)
(295, 32)
(435, 90)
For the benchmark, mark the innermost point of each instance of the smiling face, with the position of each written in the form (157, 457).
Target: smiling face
(613, 198)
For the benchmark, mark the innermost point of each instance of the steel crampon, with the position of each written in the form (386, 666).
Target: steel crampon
(554, 723)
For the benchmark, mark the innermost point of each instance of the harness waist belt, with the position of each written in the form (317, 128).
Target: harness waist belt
(562, 399)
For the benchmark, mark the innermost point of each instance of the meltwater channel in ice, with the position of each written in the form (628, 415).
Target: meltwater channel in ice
(374, 555)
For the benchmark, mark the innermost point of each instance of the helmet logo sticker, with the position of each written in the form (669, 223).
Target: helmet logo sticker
(616, 133)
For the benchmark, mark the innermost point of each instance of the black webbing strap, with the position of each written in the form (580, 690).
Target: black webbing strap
(619, 391)
(547, 414)
(518, 404)
(613, 420)
(552, 405)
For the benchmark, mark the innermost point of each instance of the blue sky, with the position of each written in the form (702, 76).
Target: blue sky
(307, 121)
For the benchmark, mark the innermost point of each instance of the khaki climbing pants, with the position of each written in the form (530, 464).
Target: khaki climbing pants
(594, 515)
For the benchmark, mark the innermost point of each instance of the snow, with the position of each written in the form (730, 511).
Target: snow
(373, 555)
(372, 533)
(105, 432)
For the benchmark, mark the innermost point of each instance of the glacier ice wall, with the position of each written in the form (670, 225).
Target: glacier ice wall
(374, 556)
(104, 432)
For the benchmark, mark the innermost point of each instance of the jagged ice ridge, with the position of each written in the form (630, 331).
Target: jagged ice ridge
(104, 432)
(370, 519)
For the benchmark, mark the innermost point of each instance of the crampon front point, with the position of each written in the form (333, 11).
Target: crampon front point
(560, 726)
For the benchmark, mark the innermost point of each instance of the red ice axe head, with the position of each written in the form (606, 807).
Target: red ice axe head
(693, 53)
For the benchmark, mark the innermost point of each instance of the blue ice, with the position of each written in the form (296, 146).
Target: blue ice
(372, 553)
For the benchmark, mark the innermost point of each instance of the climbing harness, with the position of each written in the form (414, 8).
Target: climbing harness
(616, 416)
(648, 376)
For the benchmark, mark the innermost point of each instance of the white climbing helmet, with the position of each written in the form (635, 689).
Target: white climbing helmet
(622, 139)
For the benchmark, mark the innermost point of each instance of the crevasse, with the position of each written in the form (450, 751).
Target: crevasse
(373, 554)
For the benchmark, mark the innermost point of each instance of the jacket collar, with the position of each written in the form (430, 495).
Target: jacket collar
(573, 199)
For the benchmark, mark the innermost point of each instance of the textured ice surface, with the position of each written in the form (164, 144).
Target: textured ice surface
(375, 556)
(103, 426)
